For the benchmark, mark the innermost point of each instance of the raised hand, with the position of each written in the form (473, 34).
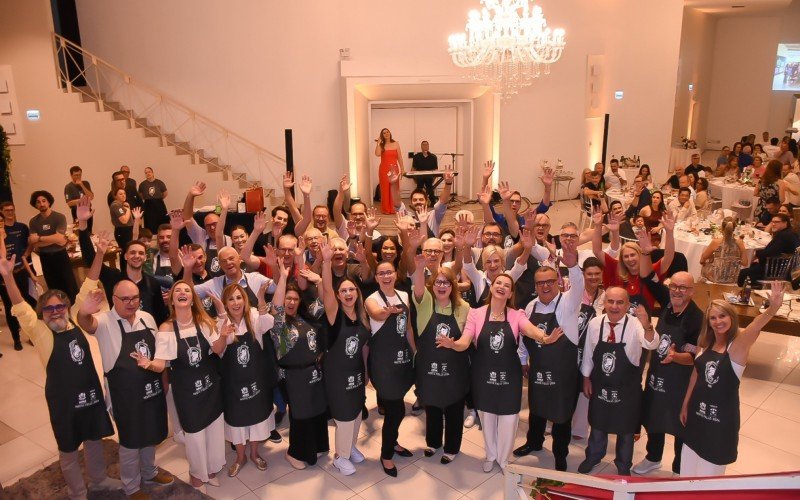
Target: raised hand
(310, 276)
(270, 256)
(262, 290)
(394, 176)
(488, 169)
(306, 185)
(527, 238)
(188, 260)
(597, 216)
(84, 208)
(197, 189)
(91, 304)
(372, 220)
(670, 355)
(643, 316)
(420, 260)
(277, 229)
(326, 251)
(352, 229)
(458, 240)
(569, 251)
(401, 223)
(103, 242)
(449, 173)
(344, 184)
(360, 253)
(471, 236)
(485, 195)
(137, 213)
(668, 221)
(227, 329)
(260, 222)
(462, 220)
(423, 215)
(224, 199)
(7, 265)
(218, 305)
(415, 237)
(288, 180)
(775, 297)
(614, 220)
(283, 269)
(547, 176)
(504, 190)
(176, 220)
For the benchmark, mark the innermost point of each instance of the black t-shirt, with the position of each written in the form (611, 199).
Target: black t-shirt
(17, 241)
(152, 190)
(422, 162)
(673, 182)
(74, 192)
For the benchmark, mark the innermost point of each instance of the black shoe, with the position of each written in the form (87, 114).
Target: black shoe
(274, 437)
(279, 417)
(364, 412)
(445, 459)
(561, 464)
(586, 466)
(233, 447)
(17, 345)
(381, 411)
(416, 409)
(389, 472)
(526, 449)
(429, 452)
(403, 452)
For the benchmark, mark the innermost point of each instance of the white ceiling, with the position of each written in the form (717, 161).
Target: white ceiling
(724, 7)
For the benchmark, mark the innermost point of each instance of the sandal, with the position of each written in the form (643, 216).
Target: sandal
(234, 469)
(261, 464)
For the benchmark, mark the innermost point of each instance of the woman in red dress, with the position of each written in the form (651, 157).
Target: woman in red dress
(390, 171)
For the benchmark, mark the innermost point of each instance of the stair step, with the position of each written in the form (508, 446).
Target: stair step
(183, 148)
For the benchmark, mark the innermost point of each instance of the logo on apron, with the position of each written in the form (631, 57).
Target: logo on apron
(497, 379)
(194, 355)
(76, 352)
(152, 389)
(214, 265)
(351, 346)
(496, 340)
(438, 370)
(151, 190)
(545, 378)
(711, 373)
(354, 381)
(207, 303)
(312, 340)
(401, 323)
(581, 320)
(199, 386)
(611, 396)
(442, 330)
(85, 400)
(609, 362)
(401, 358)
(708, 412)
(243, 354)
(316, 376)
(656, 383)
(250, 392)
(143, 349)
(663, 345)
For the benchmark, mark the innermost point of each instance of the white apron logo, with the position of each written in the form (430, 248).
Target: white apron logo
(316, 376)
(311, 337)
(143, 349)
(354, 381)
(207, 303)
(351, 345)
(401, 358)
(609, 362)
(214, 265)
(243, 354)
(656, 383)
(401, 323)
(711, 373)
(663, 345)
(581, 320)
(442, 330)
(76, 352)
(496, 340)
(250, 392)
(200, 386)
(545, 378)
(151, 190)
(609, 396)
(84, 400)
(194, 355)
(152, 389)
(45, 227)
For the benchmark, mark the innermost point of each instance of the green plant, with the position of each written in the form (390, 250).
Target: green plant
(540, 487)
(5, 159)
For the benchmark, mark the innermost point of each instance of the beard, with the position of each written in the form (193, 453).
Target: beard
(58, 325)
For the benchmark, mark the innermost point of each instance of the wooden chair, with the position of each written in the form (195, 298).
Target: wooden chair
(778, 267)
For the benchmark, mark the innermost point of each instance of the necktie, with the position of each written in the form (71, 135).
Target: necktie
(611, 337)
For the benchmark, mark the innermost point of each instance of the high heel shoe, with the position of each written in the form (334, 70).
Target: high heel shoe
(389, 472)
(403, 452)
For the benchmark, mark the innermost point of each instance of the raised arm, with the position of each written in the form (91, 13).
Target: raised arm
(418, 278)
(279, 297)
(511, 219)
(304, 220)
(484, 198)
(547, 181)
(259, 225)
(329, 295)
(597, 235)
(338, 202)
(88, 309)
(100, 253)
(188, 204)
(224, 200)
(176, 223)
(668, 221)
(137, 217)
(488, 169)
(449, 177)
(7, 271)
(740, 347)
(413, 239)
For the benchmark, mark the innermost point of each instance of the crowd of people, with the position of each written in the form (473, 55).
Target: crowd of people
(222, 330)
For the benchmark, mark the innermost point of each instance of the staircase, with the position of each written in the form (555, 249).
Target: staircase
(158, 115)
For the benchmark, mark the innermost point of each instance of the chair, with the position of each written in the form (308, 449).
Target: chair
(778, 267)
(722, 270)
(559, 177)
(585, 220)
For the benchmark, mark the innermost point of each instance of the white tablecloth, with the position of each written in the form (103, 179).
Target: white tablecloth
(731, 193)
(680, 157)
(616, 195)
(692, 246)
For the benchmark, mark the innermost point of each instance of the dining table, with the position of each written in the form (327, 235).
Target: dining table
(732, 193)
(623, 196)
(692, 238)
(680, 156)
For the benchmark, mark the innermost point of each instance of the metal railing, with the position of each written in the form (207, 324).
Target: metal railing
(516, 488)
(162, 116)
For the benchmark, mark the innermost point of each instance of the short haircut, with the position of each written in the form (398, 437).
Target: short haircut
(685, 190)
(419, 191)
(194, 247)
(118, 172)
(592, 262)
(569, 224)
(281, 208)
(36, 194)
(774, 141)
(136, 242)
(353, 204)
(774, 200)
(613, 161)
(74, 169)
(785, 218)
(6, 204)
(145, 233)
(164, 227)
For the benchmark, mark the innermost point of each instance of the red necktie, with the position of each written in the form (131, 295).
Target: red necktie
(611, 337)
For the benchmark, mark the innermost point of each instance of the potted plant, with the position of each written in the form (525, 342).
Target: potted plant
(5, 168)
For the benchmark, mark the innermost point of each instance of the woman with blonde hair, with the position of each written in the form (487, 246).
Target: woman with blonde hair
(493, 259)
(184, 341)
(710, 411)
(720, 252)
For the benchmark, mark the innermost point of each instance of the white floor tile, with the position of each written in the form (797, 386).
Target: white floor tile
(20, 455)
(43, 436)
(464, 474)
(754, 392)
(758, 458)
(411, 479)
(783, 403)
(792, 381)
(491, 489)
(308, 483)
(772, 430)
(230, 488)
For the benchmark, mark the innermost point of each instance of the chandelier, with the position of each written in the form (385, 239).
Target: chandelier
(507, 45)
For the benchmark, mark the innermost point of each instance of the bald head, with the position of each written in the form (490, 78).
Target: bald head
(681, 291)
(617, 303)
(230, 262)
(126, 299)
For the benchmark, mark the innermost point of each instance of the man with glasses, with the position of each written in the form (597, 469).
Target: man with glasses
(231, 264)
(75, 189)
(671, 366)
(72, 389)
(553, 374)
(138, 403)
(513, 202)
(120, 181)
(14, 235)
(363, 220)
(784, 241)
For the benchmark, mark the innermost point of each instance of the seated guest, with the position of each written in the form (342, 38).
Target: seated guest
(641, 197)
(784, 241)
(746, 156)
(757, 167)
(772, 148)
(682, 206)
(425, 161)
(647, 177)
(722, 159)
(791, 186)
(601, 169)
(686, 181)
(701, 199)
(771, 207)
(615, 178)
(590, 188)
(674, 180)
(695, 167)
(652, 213)
(721, 252)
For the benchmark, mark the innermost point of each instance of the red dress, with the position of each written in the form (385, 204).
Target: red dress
(388, 164)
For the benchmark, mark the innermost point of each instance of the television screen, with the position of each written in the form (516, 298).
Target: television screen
(787, 67)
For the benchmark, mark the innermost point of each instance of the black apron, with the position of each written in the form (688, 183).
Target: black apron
(247, 398)
(74, 396)
(155, 213)
(212, 260)
(389, 359)
(553, 376)
(666, 384)
(472, 299)
(195, 382)
(585, 315)
(496, 369)
(160, 270)
(615, 405)
(712, 423)
(304, 373)
(343, 366)
(442, 375)
(138, 401)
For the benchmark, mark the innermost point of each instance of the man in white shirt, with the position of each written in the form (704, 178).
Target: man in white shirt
(772, 149)
(203, 236)
(231, 265)
(615, 177)
(682, 206)
(139, 406)
(791, 184)
(612, 379)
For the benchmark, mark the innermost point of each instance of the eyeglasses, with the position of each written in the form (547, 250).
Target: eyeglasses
(442, 283)
(515, 202)
(492, 234)
(432, 251)
(546, 282)
(569, 236)
(128, 300)
(679, 288)
(382, 274)
(54, 308)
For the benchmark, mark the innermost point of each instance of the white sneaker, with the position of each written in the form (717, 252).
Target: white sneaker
(356, 456)
(646, 466)
(488, 465)
(470, 420)
(109, 483)
(344, 465)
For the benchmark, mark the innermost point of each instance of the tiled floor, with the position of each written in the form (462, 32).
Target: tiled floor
(769, 441)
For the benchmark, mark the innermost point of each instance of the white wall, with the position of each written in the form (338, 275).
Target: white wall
(73, 133)
(260, 67)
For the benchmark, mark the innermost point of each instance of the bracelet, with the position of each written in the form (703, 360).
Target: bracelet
(448, 183)
(646, 253)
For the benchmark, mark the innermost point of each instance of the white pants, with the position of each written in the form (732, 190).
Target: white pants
(257, 432)
(71, 468)
(346, 436)
(498, 436)
(172, 413)
(205, 450)
(135, 464)
(694, 466)
(580, 419)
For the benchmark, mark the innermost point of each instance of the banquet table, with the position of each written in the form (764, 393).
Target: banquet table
(624, 197)
(705, 292)
(680, 157)
(692, 245)
(731, 193)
